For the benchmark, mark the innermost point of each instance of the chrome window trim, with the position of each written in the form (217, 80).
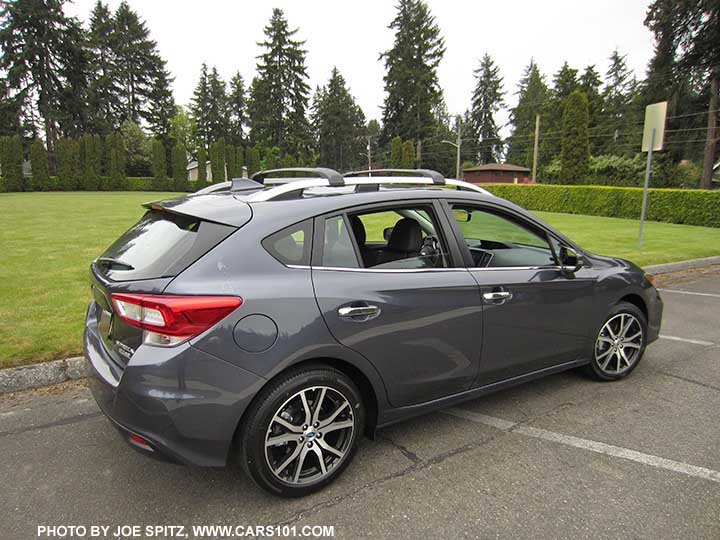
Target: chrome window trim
(377, 270)
(515, 268)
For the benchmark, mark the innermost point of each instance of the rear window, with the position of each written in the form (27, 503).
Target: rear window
(161, 244)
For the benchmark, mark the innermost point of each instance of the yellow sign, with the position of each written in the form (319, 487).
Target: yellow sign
(654, 119)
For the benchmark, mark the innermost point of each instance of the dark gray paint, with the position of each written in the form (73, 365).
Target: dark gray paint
(435, 342)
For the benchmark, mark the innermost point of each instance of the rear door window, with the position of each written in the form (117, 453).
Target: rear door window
(161, 244)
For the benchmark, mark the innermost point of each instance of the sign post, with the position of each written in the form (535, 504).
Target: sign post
(653, 136)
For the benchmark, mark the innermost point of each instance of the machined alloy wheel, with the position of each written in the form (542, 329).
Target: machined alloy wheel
(619, 344)
(302, 430)
(309, 435)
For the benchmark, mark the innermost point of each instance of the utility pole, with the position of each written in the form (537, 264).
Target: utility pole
(457, 145)
(535, 146)
(369, 155)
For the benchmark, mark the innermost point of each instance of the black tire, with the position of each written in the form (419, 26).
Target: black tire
(281, 396)
(595, 368)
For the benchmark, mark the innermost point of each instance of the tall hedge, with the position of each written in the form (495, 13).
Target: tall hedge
(115, 149)
(230, 161)
(396, 153)
(39, 163)
(202, 167)
(217, 160)
(91, 160)
(12, 158)
(687, 206)
(239, 160)
(252, 160)
(159, 164)
(179, 167)
(67, 159)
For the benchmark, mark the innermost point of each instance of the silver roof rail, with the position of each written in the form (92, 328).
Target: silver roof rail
(333, 177)
(301, 184)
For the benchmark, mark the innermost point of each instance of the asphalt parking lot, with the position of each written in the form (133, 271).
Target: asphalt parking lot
(563, 457)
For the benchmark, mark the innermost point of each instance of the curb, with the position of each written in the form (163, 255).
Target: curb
(44, 374)
(682, 265)
(58, 371)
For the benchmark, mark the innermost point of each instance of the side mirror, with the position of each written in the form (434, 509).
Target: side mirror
(569, 260)
(387, 233)
(461, 215)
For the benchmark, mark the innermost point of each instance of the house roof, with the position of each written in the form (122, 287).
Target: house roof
(497, 167)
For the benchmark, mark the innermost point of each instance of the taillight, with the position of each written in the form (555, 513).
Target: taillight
(169, 319)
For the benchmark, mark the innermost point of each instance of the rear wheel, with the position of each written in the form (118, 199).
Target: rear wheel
(303, 431)
(620, 343)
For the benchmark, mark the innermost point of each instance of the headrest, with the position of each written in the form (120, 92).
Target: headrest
(358, 230)
(405, 236)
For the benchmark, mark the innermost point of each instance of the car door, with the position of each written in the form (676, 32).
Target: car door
(535, 315)
(415, 316)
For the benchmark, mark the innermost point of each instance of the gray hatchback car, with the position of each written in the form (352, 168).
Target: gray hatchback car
(275, 321)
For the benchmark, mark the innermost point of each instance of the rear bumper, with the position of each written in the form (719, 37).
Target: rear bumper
(186, 403)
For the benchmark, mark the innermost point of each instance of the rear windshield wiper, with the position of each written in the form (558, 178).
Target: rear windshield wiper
(115, 262)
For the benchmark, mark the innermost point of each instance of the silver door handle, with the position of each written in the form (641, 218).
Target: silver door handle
(358, 311)
(497, 295)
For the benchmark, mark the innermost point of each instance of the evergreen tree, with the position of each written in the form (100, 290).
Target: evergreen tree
(564, 83)
(12, 164)
(159, 165)
(575, 143)
(487, 100)
(179, 167)
(115, 148)
(230, 161)
(239, 161)
(408, 155)
(217, 160)
(694, 26)
(411, 82)
(532, 99)
(372, 132)
(39, 163)
(161, 106)
(38, 44)
(103, 92)
(396, 153)
(339, 125)
(68, 164)
(137, 63)
(590, 86)
(91, 157)
(217, 114)
(277, 106)
(200, 107)
(236, 101)
(252, 160)
(618, 121)
(202, 168)
(9, 111)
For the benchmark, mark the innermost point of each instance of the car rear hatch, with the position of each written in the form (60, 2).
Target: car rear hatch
(149, 255)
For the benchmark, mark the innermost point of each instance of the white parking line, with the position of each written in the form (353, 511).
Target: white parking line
(711, 295)
(687, 340)
(586, 444)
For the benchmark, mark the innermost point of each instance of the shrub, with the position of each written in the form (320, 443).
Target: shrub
(252, 160)
(202, 167)
(217, 160)
(179, 166)
(686, 206)
(68, 160)
(39, 162)
(159, 165)
(12, 158)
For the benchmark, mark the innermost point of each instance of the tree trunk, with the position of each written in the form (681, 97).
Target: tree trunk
(711, 136)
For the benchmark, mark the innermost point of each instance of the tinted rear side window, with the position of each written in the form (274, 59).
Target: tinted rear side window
(161, 244)
(291, 245)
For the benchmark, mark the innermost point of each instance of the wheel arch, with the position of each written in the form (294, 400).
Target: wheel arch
(368, 393)
(637, 301)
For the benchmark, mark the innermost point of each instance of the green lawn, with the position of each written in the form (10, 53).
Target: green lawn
(47, 241)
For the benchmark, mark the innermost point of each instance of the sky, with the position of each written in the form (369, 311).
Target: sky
(352, 34)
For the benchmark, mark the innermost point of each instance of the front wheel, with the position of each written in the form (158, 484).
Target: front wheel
(620, 343)
(302, 432)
